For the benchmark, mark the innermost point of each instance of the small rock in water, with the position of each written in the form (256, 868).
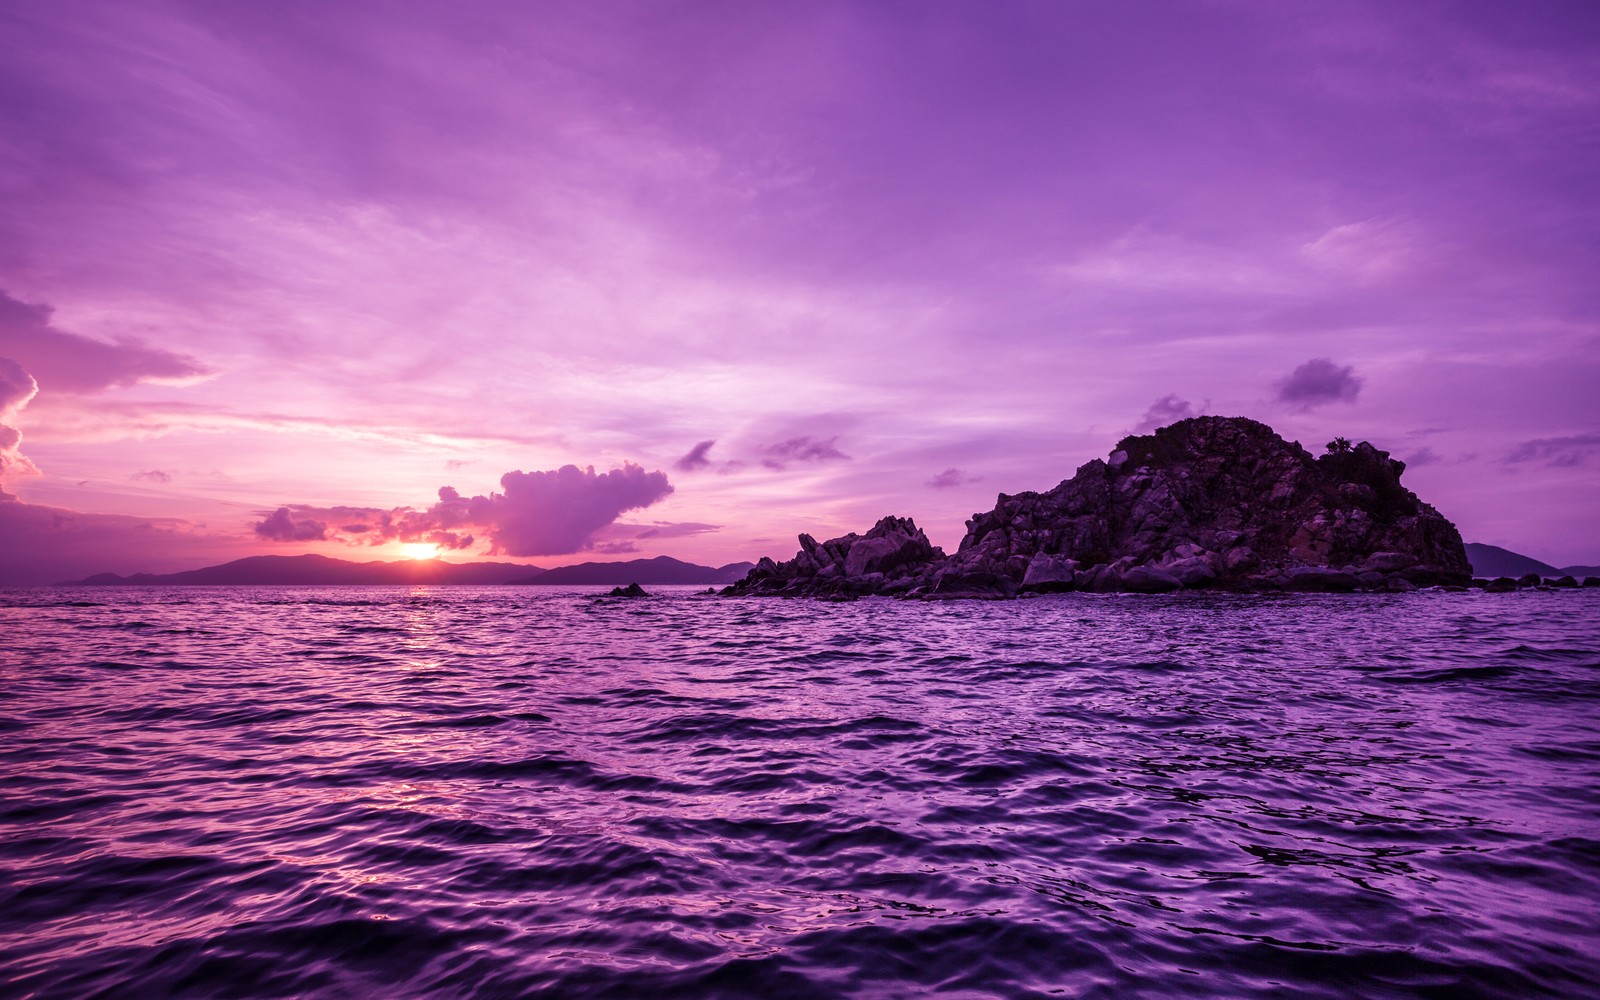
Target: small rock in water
(1500, 585)
(631, 590)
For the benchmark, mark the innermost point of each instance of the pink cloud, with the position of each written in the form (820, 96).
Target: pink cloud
(801, 449)
(282, 526)
(17, 387)
(539, 513)
(67, 362)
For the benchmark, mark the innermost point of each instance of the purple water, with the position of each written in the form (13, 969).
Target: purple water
(466, 792)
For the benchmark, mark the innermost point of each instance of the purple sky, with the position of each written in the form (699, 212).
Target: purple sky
(576, 281)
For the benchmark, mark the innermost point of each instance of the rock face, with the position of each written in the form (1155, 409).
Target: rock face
(894, 557)
(1219, 502)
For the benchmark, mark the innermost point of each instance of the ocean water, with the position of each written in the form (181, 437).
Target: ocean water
(525, 792)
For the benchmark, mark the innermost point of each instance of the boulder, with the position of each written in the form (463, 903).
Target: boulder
(893, 556)
(1530, 580)
(1321, 579)
(1564, 581)
(1048, 572)
(631, 590)
(1149, 580)
(1500, 585)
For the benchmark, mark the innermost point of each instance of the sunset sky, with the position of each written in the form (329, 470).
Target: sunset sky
(573, 281)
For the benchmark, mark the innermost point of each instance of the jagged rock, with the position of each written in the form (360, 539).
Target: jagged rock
(631, 590)
(1047, 573)
(1225, 502)
(1218, 502)
(892, 557)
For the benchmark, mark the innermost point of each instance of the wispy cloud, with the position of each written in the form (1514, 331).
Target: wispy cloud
(1562, 452)
(801, 449)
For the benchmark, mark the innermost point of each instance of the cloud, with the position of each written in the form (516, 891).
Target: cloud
(1423, 456)
(457, 464)
(951, 478)
(1368, 250)
(1562, 452)
(696, 458)
(152, 476)
(67, 362)
(1319, 382)
(801, 449)
(1168, 409)
(17, 387)
(281, 526)
(539, 514)
(43, 544)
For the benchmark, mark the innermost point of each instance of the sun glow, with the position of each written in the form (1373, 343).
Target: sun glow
(420, 550)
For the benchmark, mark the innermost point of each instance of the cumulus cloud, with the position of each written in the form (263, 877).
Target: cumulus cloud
(696, 459)
(538, 514)
(801, 449)
(17, 387)
(1319, 382)
(282, 526)
(67, 362)
(1168, 409)
(1562, 452)
(951, 478)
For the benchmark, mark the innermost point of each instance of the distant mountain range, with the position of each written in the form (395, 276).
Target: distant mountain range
(1492, 561)
(660, 570)
(318, 571)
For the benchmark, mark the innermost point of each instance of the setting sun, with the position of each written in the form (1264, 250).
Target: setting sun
(420, 550)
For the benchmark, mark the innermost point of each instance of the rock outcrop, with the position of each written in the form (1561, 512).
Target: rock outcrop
(894, 557)
(1219, 502)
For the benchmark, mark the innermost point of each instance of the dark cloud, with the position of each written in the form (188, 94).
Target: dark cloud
(282, 526)
(801, 449)
(950, 478)
(1421, 457)
(67, 362)
(17, 387)
(538, 514)
(457, 464)
(153, 476)
(1319, 382)
(1562, 452)
(1168, 409)
(41, 544)
(696, 458)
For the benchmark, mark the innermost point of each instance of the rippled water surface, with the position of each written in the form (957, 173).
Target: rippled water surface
(463, 792)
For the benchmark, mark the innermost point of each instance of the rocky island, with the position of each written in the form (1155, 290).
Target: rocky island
(1207, 502)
